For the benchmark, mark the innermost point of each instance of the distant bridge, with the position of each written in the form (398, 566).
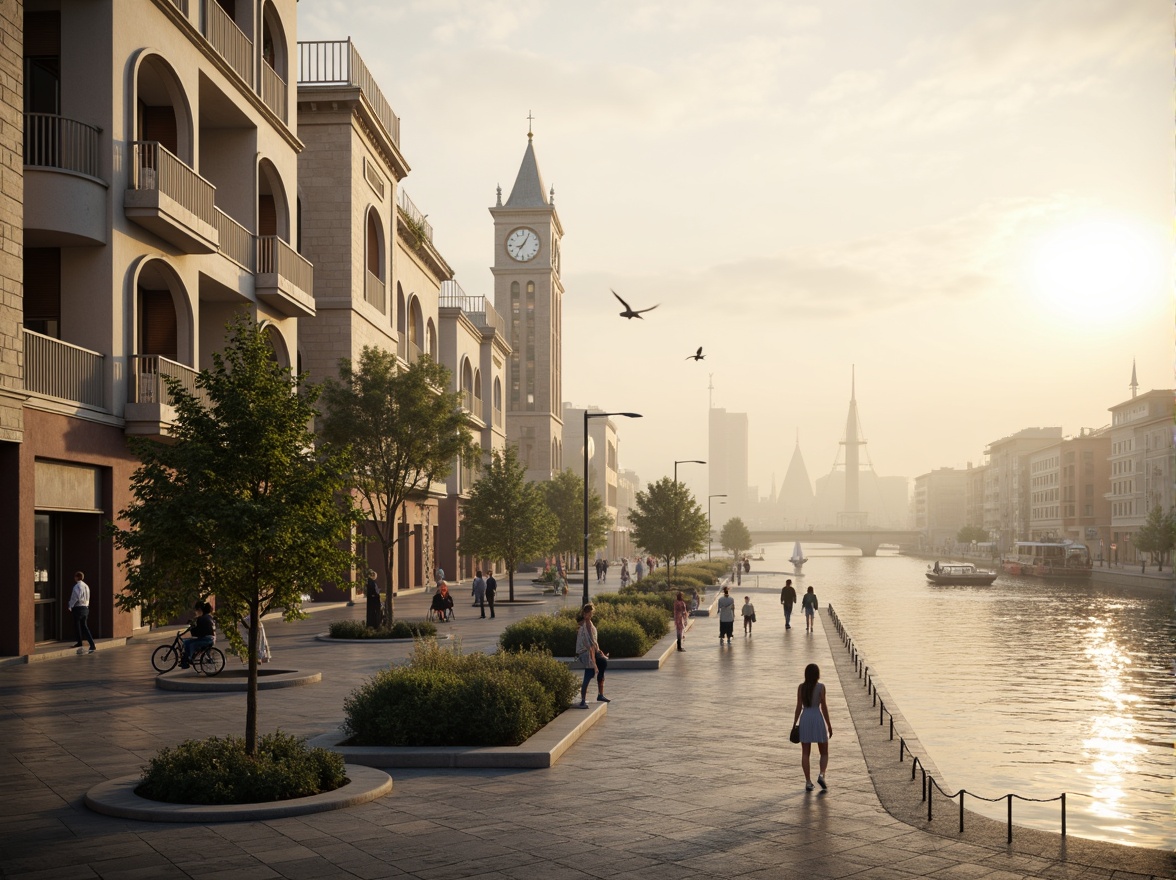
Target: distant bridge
(867, 540)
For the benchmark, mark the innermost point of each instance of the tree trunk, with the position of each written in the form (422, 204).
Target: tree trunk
(510, 576)
(251, 693)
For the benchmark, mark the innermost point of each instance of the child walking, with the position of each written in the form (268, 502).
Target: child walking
(748, 615)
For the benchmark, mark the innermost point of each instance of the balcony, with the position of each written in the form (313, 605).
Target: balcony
(150, 410)
(285, 279)
(171, 200)
(236, 242)
(274, 90)
(63, 371)
(227, 39)
(336, 63)
(65, 197)
(374, 291)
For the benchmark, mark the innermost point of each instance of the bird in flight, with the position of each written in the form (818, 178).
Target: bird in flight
(629, 312)
(697, 356)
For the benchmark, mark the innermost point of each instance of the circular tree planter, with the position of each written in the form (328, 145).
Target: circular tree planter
(116, 797)
(236, 680)
(326, 637)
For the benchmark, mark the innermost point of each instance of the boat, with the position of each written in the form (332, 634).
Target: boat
(798, 558)
(960, 573)
(1048, 559)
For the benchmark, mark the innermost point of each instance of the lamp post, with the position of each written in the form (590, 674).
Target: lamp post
(676, 510)
(708, 523)
(587, 416)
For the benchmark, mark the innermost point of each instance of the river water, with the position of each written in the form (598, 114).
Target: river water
(1027, 686)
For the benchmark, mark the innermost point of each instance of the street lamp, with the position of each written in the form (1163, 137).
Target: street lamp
(677, 512)
(587, 416)
(708, 523)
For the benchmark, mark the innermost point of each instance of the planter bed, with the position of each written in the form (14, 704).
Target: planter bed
(326, 637)
(235, 680)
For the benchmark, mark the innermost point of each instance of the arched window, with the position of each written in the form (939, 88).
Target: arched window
(431, 340)
(374, 261)
(273, 212)
(162, 113)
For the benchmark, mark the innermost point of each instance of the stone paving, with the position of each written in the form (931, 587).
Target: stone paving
(689, 775)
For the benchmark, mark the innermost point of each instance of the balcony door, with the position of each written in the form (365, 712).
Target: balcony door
(157, 324)
(42, 293)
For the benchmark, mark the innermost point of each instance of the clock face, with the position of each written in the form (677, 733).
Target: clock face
(522, 244)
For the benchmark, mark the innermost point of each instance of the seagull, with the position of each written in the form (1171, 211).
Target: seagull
(629, 312)
(697, 356)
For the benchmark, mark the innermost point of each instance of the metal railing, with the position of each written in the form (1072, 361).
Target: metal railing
(477, 307)
(149, 373)
(414, 353)
(229, 40)
(236, 242)
(181, 5)
(153, 166)
(275, 256)
(52, 141)
(498, 417)
(274, 91)
(63, 370)
(402, 347)
(413, 213)
(337, 63)
(929, 785)
(374, 291)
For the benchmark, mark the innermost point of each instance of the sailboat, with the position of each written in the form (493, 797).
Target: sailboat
(798, 558)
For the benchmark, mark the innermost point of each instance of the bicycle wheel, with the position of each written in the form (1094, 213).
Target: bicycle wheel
(212, 661)
(164, 658)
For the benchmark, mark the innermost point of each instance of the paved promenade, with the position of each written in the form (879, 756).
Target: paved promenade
(689, 775)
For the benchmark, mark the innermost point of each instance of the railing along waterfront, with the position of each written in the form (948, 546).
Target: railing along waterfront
(153, 166)
(229, 40)
(149, 373)
(374, 290)
(337, 63)
(52, 141)
(63, 370)
(275, 256)
(274, 91)
(929, 785)
(236, 242)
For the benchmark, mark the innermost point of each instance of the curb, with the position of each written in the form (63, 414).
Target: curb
(116, 797)
(326, 637)
(238, 681)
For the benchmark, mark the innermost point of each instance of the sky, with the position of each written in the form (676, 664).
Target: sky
(969, 204)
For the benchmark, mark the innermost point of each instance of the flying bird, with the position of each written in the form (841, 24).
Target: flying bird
(697, 356)
(629, 312)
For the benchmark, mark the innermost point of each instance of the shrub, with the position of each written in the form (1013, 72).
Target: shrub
(217, 771)
(400, 629)
(541, 631)
(622, 638)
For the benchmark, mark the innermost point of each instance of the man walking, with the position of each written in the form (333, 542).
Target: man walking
(491, 589)
(79, 605)
(480, 592)
(788, 599)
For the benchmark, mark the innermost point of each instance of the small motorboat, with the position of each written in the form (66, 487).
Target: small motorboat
(960, 574)
(798, 558)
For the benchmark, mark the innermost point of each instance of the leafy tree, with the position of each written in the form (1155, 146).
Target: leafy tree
(241, 505)
(404, 433)
(667, 521)
(506, 517)
(968, 534)
(565, 498)
(1157, 536)
(735, 536)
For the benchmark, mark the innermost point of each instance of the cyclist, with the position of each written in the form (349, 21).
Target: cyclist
(203, 630)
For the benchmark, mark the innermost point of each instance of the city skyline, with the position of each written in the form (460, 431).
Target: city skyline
(970, 204)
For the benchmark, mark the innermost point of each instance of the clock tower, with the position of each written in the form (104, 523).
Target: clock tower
(528, 294)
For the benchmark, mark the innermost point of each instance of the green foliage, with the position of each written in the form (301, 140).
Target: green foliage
(404, 433)
(400, 629)
(444, 698)
(667, 521)
(506, 517)
(565, 498)
(622, 637)
(669, 584)
(735, 537)
(241, 503)
(1157, 536)
(541, 632)
(646, 611)
(968, 534)
(218, 771)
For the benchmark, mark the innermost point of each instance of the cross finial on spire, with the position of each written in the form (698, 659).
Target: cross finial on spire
(500, 195)
(530, 119)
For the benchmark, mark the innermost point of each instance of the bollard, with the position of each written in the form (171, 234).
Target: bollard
(924, 784)
(1063, 814)
(1009, 839)
(930, 783)
(901, 750)
(881, 709)
(961, 811)
(892, 728)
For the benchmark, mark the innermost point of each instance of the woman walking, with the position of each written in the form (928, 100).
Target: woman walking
(680, 616)
(588, 652)
(809, 604)
(812, 715)
(726, 607)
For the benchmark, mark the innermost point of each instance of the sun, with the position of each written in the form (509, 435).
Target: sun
(1097, 269)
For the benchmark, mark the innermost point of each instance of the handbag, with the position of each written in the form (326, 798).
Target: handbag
(753, 617)
(794, 737)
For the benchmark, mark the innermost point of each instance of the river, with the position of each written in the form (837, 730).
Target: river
(1027, 686)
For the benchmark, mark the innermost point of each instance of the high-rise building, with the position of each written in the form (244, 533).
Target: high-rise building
(1142, 467)
(1007, 489)
(727, 461)
(940, 504)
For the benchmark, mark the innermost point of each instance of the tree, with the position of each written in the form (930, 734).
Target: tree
(506, 517)
(404, 433)
(1157, 536)
(667, 521)
(968, 534)
(565, 498)
(735, 536)
(241, 505)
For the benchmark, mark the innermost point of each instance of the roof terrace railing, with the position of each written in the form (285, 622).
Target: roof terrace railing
(337, 63)
(477, 307)
(408, 206)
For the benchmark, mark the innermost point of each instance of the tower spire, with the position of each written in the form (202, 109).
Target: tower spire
(1134, 381)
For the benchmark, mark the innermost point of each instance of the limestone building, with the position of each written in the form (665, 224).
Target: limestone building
(1067, 490)
(1007, 486)
(1142, 467)
(940, 506)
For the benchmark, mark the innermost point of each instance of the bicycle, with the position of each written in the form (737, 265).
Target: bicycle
(210, 660)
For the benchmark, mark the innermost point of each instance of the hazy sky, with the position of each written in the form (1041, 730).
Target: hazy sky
(972, 202)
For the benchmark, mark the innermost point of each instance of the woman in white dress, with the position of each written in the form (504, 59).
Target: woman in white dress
(812, 715)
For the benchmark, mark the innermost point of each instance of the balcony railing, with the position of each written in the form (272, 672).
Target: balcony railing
(402, 347)
(417, 218)
(337, 63)
(273, 90)
(414, 352)
(498, 417)
(68, 372)
(229, 40)
(155, 167)
(52, 141)
(147, 385)
(277, 257)
(236, 242)
(477, 307)
(374, 291)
